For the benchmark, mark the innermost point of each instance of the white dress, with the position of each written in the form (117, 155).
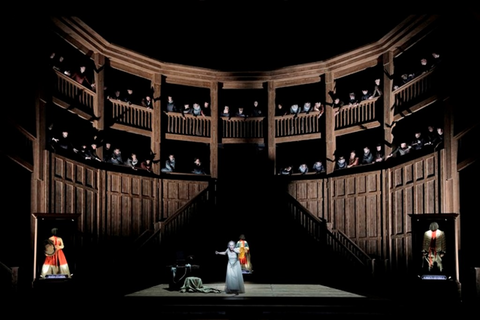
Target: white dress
(234, 278)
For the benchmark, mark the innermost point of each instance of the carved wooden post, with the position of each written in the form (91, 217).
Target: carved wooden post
(155, 140)
(99, 100)
(329, 116)
(388, 101)
(214, 130)
(271, 142)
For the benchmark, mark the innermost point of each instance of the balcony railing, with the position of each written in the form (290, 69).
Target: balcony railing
(413, 91)
(237, 129)
(243, 128)
(131, 115)
(356, 114)
(74, 92)
(303, 123)
(188, 124)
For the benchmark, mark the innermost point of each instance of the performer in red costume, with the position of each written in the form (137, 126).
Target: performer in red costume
(434, 247)
(244, 255)
(55, 260)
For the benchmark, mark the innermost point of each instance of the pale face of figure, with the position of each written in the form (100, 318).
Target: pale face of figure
(171, 157)
(377, 82)
(255, 103)
(82, 69)
(65, 134)
(231, 245)
(403, 145)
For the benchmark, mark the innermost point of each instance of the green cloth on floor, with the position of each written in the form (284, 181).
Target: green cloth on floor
(194, 284)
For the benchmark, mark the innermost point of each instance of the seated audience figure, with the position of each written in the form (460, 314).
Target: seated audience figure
(294, 109)
(147, 164)
(171, 106)
(303, 168)
(377, 89)
(352, 99)
(81, 77)
(83, 152)
(379, 154)
(418, 142)
(240, 113)
(147, 102)
(353, 160)
(206, 109)
(116, 157)
(58, 63)
(280, 111)
(256, 110)
(169, 164)
(438, 142)
(337, 105)
(401, 150)
(423, 67)
(107, 151)
(198, 167)
(186, 109)
(307, 107)
(133, 161)
(436, 60)
(367, 157)
(91, 152)
(225, 112)
(431, 135)
(318, 167)
(63, 143)
(197, 110)
(286, 171)
(131, 97)
(340, 163)
(318, 107)
(365, 95)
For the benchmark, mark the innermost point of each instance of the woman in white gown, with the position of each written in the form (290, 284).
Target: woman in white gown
(234, 278)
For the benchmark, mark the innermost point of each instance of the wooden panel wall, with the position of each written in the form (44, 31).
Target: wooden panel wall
(372, 208)
(356, 209)
(131, 203)
(115, 204)
(310, 194)
(75, 189)
(176, 193)
(413, 189)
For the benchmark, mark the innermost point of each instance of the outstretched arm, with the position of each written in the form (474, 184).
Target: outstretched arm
(221, 252)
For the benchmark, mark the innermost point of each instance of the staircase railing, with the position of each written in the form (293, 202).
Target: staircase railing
(335, 240)
(177, 222)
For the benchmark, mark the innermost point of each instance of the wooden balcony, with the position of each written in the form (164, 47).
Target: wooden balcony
(73, 96)
(243, 130)
(409, 98)
(187, 127)
(131, 117)
(413, 95)
(301, 127)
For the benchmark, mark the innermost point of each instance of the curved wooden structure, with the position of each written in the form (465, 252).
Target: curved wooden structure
(365, 210)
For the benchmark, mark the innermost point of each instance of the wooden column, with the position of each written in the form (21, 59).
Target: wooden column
(155, 140)
(329, 116)
(99, 101)
(271, 142)
(214, 130)
(388, 101)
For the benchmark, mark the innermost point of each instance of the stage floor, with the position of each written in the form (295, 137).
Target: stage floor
(260, 301)
(251, 290)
